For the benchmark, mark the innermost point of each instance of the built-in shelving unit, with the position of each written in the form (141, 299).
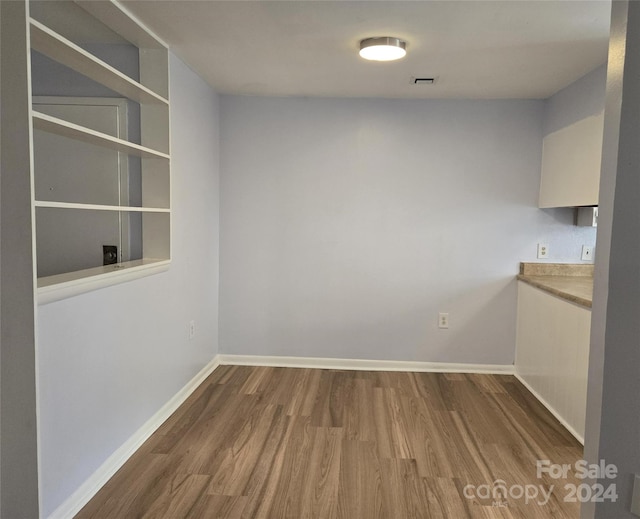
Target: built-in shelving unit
(54, 33)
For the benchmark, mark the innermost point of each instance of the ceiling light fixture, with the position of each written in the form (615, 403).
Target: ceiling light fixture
(385, 48)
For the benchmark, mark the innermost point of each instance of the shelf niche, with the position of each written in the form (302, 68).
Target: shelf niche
(93, 54)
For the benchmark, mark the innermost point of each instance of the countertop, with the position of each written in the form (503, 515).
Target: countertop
(573, 283)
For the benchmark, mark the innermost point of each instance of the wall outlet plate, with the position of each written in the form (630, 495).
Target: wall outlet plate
(543, 250)
(109, 254)
(443, 320)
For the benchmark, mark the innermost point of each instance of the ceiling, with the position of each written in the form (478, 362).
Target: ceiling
(475, 49)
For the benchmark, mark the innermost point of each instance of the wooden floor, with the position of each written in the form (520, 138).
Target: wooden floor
(257, 442)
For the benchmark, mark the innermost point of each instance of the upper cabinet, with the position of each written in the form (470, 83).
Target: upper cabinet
(570, 175)
(572, 143)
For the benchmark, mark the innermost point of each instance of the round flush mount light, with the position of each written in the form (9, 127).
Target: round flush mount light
(385, 48)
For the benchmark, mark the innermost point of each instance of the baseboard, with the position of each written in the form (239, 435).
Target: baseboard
(550, 408)
(391, 365)
(363, 365)
(96, 481)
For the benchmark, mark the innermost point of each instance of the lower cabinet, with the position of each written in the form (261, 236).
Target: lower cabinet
(552, 353)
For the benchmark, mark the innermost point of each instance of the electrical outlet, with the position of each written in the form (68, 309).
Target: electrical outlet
(192, 329)
(543, 250)
(109, 254)
(443, 320)
(587, 253)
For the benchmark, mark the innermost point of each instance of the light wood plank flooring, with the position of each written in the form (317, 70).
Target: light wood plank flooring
(262, 442)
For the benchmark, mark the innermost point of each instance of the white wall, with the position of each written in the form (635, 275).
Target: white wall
(108, 360)
(613, 407)
(18, 434)
(347, 224)
(581, 99)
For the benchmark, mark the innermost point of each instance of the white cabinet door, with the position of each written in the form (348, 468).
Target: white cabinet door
(571, 156)
(552, 353)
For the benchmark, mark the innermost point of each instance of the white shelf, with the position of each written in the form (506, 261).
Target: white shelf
(94, 207)
(51, 124)
(61, 286)
(58, 48)
(123, 23)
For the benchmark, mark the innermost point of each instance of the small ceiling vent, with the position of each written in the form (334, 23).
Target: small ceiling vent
(423, 80)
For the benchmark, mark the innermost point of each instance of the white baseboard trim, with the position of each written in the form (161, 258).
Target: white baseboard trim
(391, 365)
(96, 481)
(363, 365)
(550, 408)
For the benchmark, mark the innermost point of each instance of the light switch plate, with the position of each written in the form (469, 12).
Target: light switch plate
(587, 253)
